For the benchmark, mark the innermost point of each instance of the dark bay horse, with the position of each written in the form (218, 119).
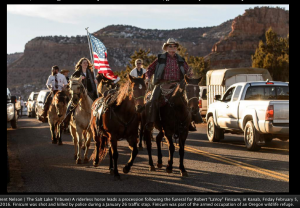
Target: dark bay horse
(176, 117)
(120, 120)
(56, 113)
(139, 91)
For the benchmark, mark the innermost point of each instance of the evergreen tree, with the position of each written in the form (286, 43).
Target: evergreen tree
(273, 55)
(147, 58)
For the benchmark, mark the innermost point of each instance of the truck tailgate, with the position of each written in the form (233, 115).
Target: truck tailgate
(281, 111)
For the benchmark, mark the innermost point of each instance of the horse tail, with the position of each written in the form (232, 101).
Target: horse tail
(102, 149)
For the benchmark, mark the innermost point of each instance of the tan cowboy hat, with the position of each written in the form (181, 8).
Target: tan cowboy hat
(64, 70)
(170, 41)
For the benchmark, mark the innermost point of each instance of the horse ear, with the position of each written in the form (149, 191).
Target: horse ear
(199, 80)
(131, 78)
(186, 78)
(143, 76)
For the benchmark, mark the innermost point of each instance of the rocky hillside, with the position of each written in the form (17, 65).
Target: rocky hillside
(13, 57)
(236, 49)
(230, 44)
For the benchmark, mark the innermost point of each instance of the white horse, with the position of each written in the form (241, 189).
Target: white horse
(79, 123)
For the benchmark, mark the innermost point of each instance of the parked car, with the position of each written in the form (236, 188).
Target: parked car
(218, 80)
(203, 100)
(40, 103)
(259, 110)
(12, 109)
(31, 104)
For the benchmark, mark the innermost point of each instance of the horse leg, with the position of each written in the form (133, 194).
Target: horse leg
(79, 144)
(52, 130)
(87, 146)
(73, 134)
(158, 143)
(115, 156)
(171, 153)
(183, 172)
(147, 137)
(134, 152)
(59, 132)
(141, 137)
(111, 165)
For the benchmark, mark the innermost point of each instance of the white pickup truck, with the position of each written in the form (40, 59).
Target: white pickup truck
(259, 110)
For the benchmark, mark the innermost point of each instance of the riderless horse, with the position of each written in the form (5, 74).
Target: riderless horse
(119, 120)
(57, 110)
(174, 120)
(79, 122)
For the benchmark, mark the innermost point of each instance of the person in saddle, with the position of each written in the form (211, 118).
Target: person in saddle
(138, 71)
(84, 68)
(169, 67)
(56, 81)
(65, 72)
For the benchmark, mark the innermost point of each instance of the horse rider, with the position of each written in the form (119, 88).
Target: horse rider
(138, 71)
(169, 67)
(56, 81)
(84, 68)
(65, 72)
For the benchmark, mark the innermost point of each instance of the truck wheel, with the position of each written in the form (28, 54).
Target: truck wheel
(13, 122)
(251, 136)
(214, 133)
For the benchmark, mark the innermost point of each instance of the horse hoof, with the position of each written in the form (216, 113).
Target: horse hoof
(54, 141)
(111, 171)
(117, 178)
(151, 168)
(95, 164)
(184, 174)
(141, 148)
(60, 143)
(78, 161)
(168, 170)
(159, 165)
(126, 169)
(86, 160)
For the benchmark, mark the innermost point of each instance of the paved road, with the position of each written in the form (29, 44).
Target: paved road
(36, 165)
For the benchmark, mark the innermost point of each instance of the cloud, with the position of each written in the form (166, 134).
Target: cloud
(76, 14)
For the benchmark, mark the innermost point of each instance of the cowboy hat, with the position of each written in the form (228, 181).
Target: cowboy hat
(170, 41)
(64, 70)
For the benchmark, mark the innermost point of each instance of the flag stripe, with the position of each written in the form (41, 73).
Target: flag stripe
(100, 58)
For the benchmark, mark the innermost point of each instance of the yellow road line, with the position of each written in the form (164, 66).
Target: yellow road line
(239, 164)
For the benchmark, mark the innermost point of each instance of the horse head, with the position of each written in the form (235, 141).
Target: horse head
(192, 91)
(76, 89)
(60, 103)
(104, 83)
(139, 91)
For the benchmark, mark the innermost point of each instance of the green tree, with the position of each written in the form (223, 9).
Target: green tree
(273, 55)
(146, 56)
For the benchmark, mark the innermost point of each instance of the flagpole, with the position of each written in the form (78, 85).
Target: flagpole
(92, 57)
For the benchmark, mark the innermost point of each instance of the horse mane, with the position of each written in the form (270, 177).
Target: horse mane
(124, 92)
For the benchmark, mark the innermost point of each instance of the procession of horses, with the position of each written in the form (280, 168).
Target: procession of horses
(123, 116)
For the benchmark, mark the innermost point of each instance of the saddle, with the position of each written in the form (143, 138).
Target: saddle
(167, 89)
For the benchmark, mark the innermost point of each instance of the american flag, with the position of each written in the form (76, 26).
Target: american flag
(100, 59)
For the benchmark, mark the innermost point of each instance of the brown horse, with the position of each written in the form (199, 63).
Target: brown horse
(120, 120)
(176, 117)
(139, 91)
(56, 113)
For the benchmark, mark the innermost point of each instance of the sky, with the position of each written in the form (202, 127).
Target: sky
(25, 22)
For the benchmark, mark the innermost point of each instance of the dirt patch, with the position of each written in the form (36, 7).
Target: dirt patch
(16, 182)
